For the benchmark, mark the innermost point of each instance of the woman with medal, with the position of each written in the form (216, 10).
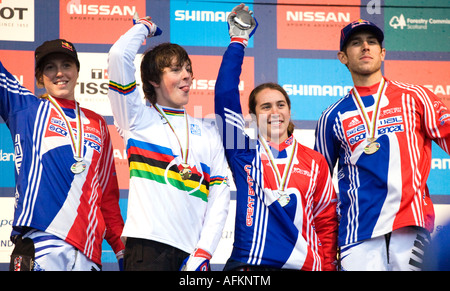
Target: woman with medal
(67, 196)
(286, 204)
(381, 134)
(178, 199)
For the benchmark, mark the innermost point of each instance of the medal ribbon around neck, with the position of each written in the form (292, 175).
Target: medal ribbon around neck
(184, 155)
(78, 140)
(282, 181)
(371, 125)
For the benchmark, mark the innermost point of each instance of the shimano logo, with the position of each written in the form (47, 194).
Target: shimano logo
(199, 15)
(316, 90)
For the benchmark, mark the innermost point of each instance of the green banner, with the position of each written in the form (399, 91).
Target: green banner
(415, 26)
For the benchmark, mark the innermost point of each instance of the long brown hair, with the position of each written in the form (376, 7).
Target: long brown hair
(273, 86)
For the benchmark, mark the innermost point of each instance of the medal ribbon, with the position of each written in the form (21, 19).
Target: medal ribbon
(78, 140)
(371, 125)
(184, 155)
(281, 181)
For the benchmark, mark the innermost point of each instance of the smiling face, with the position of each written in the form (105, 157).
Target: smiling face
(363, 56)
(273, 115)
(59, 76)
(173, 89)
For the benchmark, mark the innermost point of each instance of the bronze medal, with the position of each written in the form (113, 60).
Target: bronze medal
(371, 147)
(370, 124)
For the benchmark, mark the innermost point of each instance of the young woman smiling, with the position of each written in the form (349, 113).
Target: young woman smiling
(286, 204)
(67, 196)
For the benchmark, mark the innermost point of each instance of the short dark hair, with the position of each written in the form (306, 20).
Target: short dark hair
(155, 60)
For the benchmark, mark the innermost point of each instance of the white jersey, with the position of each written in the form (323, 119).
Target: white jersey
(162, 206)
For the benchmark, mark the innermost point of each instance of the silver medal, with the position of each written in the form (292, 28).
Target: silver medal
(78, 167)
(243, 19)
(283, 199)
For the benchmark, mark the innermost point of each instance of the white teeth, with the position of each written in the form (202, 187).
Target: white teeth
(61, 83)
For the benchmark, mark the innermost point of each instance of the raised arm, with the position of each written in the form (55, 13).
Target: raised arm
(227, 99)
(126, 102)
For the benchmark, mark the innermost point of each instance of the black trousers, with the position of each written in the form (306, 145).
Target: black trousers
(147, 255)
(22, 257)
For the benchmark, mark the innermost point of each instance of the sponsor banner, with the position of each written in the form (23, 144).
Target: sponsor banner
(108, 19)
(313, 85)
(120, 158)
(21, 65)
(17, 20)
(6, 221)
(311, 27)
(7, 165)
(438, 181)
(434, 75)
(92, 87)
(306, 137)
(201, 23)
(201, 95)
(442, 212)
(417, 27)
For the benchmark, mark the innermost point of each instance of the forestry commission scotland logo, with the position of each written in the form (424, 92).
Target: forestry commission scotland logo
(417, 23)
(397, 21)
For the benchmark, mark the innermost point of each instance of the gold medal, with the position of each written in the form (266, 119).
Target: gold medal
(186, 172)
